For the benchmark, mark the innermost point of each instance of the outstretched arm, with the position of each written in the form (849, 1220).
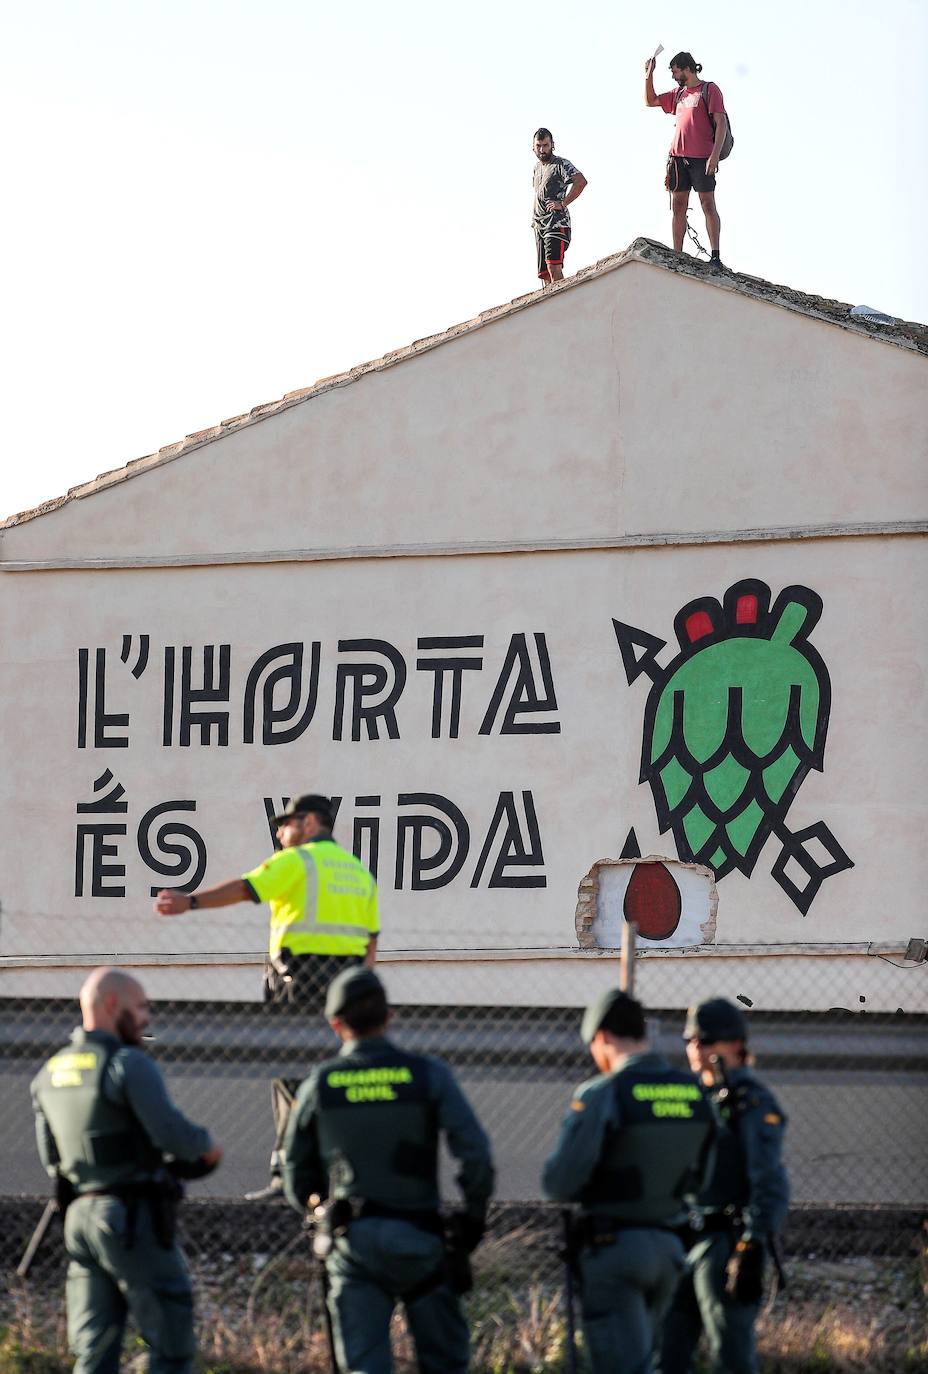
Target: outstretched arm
(172, 902)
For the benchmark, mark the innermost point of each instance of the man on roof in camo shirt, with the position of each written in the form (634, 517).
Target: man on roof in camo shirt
(556, 183)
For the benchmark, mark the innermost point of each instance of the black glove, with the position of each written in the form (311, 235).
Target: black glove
(744, 1273)
(189, 1168)
(466, 1231)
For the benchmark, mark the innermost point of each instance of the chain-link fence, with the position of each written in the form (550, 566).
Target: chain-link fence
(853, 1084)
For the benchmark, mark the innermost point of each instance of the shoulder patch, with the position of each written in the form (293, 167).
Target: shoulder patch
(772, 1118)
(577, 1105)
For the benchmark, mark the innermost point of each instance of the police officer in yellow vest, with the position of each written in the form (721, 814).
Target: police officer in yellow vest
(105, 1125)
(636, 1142)
(363, 1137)
(324, 919)
(323, 905)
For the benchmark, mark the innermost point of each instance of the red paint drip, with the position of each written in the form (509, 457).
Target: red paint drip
(746, 610)
(698, 625)
(653, 902)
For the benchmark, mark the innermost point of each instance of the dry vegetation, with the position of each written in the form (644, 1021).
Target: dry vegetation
(262, 1315)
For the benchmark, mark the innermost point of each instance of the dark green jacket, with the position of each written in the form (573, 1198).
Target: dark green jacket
(104, 1117)
(748, 1172)
(366, 1124)
(635, 1144)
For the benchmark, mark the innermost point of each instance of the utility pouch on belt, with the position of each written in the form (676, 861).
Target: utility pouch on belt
(163, 1199)
(65, 1193)
(571, 1242)
(744, 1274)
(597, 1230)
(330, 1219)
(460, 1274)
(458, 1246)
(187, 1169)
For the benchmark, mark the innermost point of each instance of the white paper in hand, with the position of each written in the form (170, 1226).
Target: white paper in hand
(657, 52)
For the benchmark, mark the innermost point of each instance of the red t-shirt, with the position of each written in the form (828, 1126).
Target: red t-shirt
(694, 135)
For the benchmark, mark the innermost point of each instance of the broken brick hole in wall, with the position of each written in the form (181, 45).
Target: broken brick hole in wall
(653, 902)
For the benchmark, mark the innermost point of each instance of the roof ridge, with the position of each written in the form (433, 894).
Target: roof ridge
(902, 333)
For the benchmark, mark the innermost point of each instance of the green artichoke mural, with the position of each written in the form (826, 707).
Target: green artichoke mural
(732, 726)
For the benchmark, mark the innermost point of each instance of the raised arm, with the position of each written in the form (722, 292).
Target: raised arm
(650, 95)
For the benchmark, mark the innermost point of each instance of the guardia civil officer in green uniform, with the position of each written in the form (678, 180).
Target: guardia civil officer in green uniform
(742, 1208)
(635, 1143)
(104, 1125)
(364, 1134)
(324, 918)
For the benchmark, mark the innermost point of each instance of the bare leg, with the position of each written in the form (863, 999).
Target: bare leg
(555, 272)
(713, 223)
(681, 200)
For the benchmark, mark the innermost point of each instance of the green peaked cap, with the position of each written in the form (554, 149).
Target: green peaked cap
(349, 987)
(715, 1019)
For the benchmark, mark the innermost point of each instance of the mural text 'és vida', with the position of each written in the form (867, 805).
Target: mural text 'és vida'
(733, 723)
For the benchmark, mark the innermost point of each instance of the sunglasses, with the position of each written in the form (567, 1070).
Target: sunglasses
(700, 1041)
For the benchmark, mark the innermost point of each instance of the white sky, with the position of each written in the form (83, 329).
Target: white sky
(208, 203)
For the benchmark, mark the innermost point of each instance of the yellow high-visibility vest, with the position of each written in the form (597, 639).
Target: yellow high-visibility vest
(322, 899)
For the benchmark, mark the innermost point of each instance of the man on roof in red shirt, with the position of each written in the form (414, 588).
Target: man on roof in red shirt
(697, 144)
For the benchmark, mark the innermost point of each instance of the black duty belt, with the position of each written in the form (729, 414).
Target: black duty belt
(126, 1192)
(427, 1219)
(601, 1229)
(160, 1195)
(713, 1222)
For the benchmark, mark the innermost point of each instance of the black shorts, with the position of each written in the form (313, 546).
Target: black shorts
(551, 245)
(689, 174)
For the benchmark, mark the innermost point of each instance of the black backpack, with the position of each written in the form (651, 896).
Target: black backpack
(728, 141)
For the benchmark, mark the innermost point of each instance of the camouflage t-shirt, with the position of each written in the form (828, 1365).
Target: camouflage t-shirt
(551, 182)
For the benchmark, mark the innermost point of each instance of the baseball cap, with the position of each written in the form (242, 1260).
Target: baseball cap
(302, 806)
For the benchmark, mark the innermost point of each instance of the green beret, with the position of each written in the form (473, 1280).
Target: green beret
(715, 1019)
(613, 1010)
(351, 986)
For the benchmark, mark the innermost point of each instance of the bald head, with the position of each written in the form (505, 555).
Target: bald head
(113, 1001)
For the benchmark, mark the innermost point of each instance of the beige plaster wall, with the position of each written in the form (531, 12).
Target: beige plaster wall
(640, 401)
(583, 779)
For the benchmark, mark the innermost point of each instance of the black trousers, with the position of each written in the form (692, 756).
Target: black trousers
(299, 982)
(296, 984)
